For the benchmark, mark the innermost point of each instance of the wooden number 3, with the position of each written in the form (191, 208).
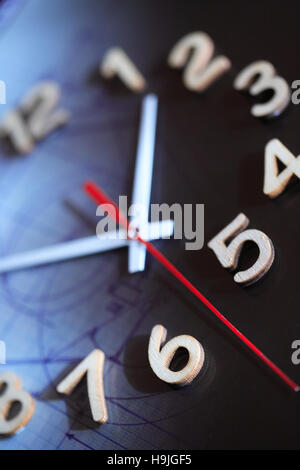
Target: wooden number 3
(268, 79)
(12, 392)
(229, 255)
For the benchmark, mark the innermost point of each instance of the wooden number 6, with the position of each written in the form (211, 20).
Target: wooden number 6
(267, 80)
(160, 359)
(14, 393)
(229, 255)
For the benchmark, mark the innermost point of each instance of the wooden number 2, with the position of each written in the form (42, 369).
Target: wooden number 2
(35, 118)
(13, 393)
(200, 71)
(160, 359)
(229, 255)
(92, 365)
(267, 80)
(275, 183)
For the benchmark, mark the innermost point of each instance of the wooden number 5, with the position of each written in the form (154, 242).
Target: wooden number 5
(267, 80)
(160, 359)
(13, 393)
(229, 255)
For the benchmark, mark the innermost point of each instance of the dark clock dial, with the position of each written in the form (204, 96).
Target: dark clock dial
(210, 150)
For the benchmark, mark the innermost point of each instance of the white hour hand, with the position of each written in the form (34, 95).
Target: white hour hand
(78, 248)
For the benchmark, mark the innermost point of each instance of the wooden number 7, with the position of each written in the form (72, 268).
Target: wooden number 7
(229, 255)
(92, 365)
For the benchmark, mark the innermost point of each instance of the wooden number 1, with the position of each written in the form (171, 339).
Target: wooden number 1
(117, 62)
(92, 365)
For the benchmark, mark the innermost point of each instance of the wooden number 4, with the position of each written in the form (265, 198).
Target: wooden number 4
(229, 255)
(275, 182)
(92, 365)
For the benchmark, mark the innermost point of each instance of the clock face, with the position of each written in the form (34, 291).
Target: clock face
(210, 150)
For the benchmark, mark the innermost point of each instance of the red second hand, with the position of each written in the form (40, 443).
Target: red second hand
(101, 198)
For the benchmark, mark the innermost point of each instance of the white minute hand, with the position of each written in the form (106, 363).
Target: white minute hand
(143, 180)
